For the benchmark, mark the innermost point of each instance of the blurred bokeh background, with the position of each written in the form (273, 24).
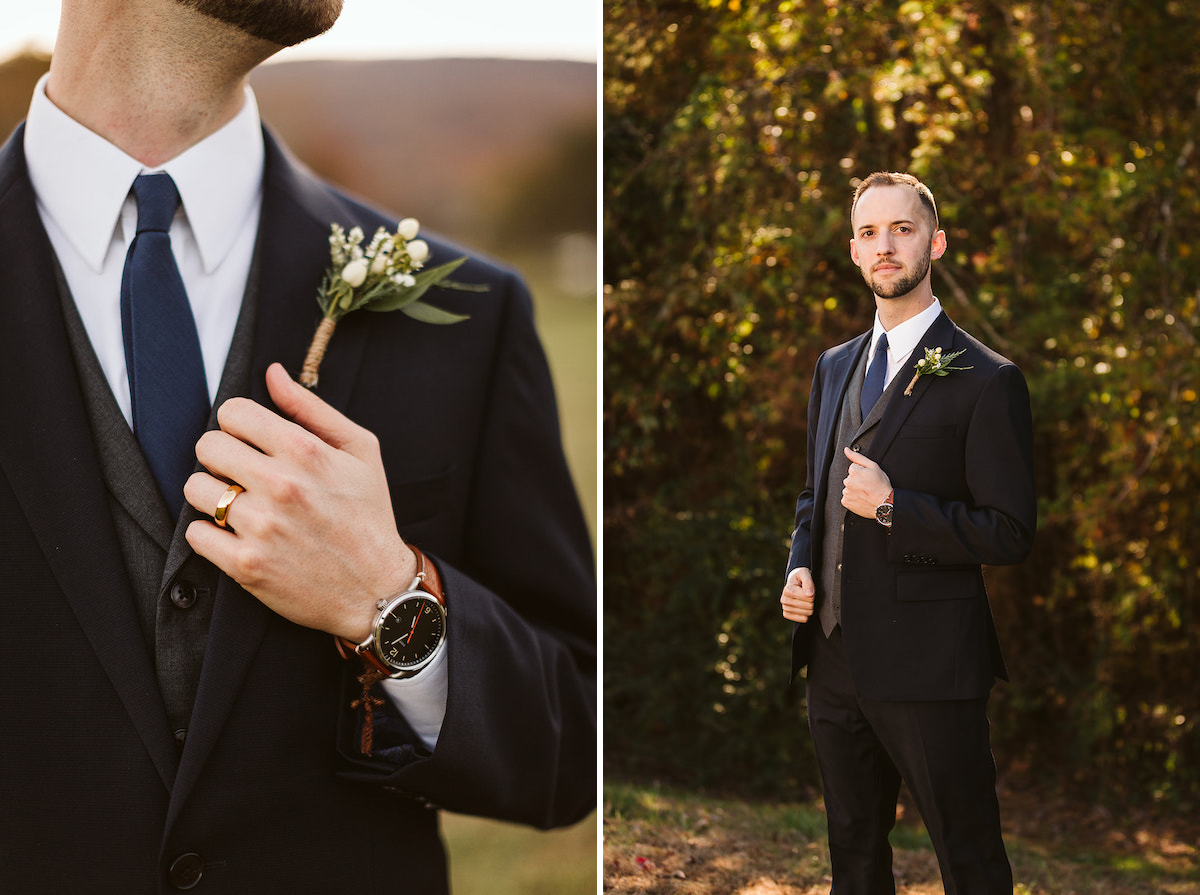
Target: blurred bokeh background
(1060, 140)
(480, 120)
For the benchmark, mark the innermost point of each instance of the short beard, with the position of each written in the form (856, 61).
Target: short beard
(282, 22)
(905, 284)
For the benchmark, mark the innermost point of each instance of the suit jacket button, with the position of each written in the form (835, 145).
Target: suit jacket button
(186, 871)
(183, 594)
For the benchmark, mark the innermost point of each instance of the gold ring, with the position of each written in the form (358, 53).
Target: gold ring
(223, 504)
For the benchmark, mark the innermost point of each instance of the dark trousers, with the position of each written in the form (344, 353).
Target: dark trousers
(940, 749)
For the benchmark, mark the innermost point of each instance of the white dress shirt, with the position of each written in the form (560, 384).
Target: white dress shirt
(84, 190)
(84, 197)
(903, 338)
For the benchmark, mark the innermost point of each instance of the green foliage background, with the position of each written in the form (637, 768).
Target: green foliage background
(1059, 137)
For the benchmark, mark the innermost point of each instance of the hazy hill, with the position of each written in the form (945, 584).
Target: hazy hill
(456, 142)
(476, 148)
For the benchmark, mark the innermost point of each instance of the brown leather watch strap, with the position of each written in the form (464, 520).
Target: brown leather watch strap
(427, 579)
(428, 573)
(374, 670)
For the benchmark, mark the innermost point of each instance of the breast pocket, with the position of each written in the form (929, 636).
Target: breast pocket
(417, 501)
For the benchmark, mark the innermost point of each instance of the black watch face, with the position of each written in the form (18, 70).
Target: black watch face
(411, 631)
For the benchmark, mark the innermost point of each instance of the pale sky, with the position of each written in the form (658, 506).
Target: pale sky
(527, 29)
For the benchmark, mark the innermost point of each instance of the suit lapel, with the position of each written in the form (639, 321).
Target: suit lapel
(293, 244)
(291, 255)
(833, 393)
(50, 460)
(940, 334)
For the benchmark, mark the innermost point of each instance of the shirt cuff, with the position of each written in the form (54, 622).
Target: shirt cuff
(421, 699)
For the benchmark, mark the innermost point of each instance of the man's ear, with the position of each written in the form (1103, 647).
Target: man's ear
(938, 246)
(853, 253)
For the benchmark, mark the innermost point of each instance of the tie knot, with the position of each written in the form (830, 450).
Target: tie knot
(157, 199)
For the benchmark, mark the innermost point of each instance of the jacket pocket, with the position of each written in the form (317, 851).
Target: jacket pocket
(939, 584)
(417, 500)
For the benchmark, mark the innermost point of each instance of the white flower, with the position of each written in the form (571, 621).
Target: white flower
(379, 265)
(408, 229)
(404, 279)
(355, 273)
(418, 250)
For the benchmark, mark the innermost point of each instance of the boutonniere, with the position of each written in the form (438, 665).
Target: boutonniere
(387, 275)
(933, 363)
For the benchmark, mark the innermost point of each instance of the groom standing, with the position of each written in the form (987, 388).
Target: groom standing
(176, 714)
(920, 470)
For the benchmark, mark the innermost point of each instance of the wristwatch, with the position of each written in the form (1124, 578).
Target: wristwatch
(409, 628)
(883, 512)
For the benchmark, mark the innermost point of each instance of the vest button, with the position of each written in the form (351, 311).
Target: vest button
(183, 594)
(186, 871)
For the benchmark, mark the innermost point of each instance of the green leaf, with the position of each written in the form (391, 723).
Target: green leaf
(418, 310)
(424, 281)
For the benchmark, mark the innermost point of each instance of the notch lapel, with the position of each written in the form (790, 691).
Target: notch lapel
(50, 459)
(833, 393)
(291, 254)
(940, 333)
(293, 245)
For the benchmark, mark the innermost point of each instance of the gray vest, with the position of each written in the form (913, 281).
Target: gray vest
(852, 431)
(174, 588)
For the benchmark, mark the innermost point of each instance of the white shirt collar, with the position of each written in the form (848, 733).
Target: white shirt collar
(904, 337)
(82, 180)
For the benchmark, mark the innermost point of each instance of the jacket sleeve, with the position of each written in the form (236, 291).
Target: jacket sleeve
(995, 524)
(519, 738)
(801, 551)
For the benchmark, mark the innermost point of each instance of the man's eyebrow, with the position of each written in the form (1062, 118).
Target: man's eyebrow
(862, 227)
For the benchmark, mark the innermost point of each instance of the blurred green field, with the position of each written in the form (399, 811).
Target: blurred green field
(568, 325)
(492, 858)
(507, 859)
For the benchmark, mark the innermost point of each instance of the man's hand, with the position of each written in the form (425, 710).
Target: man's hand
(313, 536)
(798, 597)
(866, 487)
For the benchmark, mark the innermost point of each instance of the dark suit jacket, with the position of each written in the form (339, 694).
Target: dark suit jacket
(96, 796)
(916, 622)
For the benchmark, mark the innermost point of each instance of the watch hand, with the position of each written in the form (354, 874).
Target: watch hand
(412, 630)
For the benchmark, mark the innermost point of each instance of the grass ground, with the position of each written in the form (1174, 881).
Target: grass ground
(492, 858)
(659, 842)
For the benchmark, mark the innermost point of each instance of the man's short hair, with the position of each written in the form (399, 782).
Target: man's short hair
(895, 178)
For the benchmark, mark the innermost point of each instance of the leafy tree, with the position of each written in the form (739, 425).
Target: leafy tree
(1059, 137)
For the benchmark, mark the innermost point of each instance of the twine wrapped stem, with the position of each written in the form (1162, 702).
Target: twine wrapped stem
(316, 352)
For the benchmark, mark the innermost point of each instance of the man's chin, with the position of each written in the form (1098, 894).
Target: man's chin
(283, 23)
(893, 289)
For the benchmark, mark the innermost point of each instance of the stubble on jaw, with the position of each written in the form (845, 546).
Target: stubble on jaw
(282, 22)
(906, 283)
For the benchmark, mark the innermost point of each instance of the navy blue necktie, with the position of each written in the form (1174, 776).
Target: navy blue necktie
(876, 377)
(162, 350)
